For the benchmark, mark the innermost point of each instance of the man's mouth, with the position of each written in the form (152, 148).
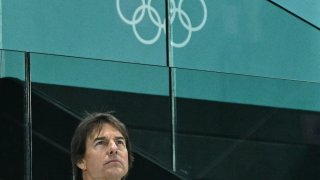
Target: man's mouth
(113, 161)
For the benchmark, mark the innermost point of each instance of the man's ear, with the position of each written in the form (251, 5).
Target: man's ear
(82, 164)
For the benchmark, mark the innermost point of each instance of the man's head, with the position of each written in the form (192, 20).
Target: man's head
(101, 148)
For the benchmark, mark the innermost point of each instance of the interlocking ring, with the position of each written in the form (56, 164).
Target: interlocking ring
(175, 11)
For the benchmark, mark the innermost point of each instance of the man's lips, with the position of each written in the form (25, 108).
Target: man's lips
(113, 161)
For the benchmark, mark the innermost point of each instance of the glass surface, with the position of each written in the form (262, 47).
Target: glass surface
(225, 130)
(12, 111)
(236, 88)
(246, 87)
(67, 87)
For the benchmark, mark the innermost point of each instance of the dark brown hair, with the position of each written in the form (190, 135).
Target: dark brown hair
(90, 123)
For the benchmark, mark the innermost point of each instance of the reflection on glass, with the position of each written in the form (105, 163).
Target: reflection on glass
(231, 130)
(64, 88)
(12, 154)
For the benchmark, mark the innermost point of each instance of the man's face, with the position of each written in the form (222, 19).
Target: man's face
(106, 155)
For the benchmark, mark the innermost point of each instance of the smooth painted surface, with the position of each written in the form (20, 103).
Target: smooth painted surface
(308, 10)
(97, 74)
(1, 24)
(84, 29)
(12, 64)
(252, 38)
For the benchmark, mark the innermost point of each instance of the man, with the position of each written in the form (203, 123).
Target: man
(100, 149)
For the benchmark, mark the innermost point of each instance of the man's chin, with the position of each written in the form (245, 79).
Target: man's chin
(116, 171)
(115, 175)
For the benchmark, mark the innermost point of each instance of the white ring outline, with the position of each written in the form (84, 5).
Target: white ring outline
(155, 19)
(145, 41)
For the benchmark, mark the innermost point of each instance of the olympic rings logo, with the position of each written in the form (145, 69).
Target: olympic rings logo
(175, 12)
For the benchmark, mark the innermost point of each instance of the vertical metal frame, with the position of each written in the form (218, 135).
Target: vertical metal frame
(171, 83)
(27, 119)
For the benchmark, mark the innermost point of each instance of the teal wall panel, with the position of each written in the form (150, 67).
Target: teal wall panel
(12, 64)
(97, 74)
(308, 10)
(248, 37)
(84, 29)
(1, 46)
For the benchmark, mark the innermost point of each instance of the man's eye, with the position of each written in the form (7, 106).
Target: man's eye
(120, 142)
(100, 143)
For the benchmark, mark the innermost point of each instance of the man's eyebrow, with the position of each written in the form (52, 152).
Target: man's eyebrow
(99, 138)
(104, 138)
(119, 137)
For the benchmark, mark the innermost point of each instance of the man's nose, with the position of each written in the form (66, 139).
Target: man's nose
(113, 148)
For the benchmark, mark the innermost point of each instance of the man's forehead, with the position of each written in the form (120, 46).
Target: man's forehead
(105, 129)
